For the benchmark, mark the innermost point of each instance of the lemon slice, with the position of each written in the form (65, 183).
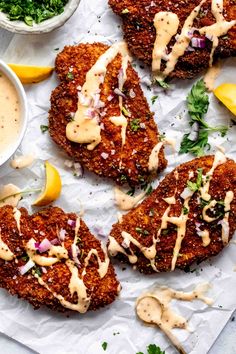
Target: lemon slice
(31, 74)
(52, 189)
(226, 93)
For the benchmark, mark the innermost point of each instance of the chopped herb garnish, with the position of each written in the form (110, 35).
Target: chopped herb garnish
(153, 349)
(163, 84)
(134, 125)
(131, 192)
(198, 103)
(31, 11)
(104, 345)
(56, 49)
(151, 212)
(44, 128)
(25, 258)
(125, 11)
(153, 99)
(142, 231)
(185, 210)
(37, 270)
(70, 75)
(195, 186)
(165, 231)
(125, 111)
(123, 178)
(204, 202)
(161, 137)
(149, 189)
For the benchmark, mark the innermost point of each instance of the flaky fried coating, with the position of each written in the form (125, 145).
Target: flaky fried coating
(123, 164)
(144, 221)
(140, 33)
(46, 224)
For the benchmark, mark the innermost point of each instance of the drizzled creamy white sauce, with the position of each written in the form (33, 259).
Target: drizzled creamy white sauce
(166, 25)
(9, 114)
(211, 75)
(180, 221)
(85, 129)
(17, 216)
(205, 235)
(125, 201)
(181, 44)
(22, 161)
(36, 258)
(225, 222)
(5, 252)
(153, 161)
(154, 308)
(9, 195)
(121, 121)
(219, 159)
(102, 265)
(218, 29)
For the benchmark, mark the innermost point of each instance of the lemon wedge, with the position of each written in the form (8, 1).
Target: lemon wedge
(226, 93)
(31, 74)
(52, 189)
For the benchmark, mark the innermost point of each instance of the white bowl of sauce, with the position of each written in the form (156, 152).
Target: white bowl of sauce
(13, 112)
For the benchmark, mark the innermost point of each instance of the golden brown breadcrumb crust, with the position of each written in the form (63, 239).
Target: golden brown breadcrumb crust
(147, 216)
(140, 33)
(46, 224)
(123, 164)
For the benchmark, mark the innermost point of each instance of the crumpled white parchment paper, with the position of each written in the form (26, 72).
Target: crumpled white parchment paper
(47, 332)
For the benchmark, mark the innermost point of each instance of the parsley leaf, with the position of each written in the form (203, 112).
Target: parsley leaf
(44, 128)
(198, 103)
(163, 84)
(195, 186)
(185, 210)
(153, 349)
(104, 346)
(134, 125)
(141, 231)
(31, 11)
(70, 76)
(153, 99)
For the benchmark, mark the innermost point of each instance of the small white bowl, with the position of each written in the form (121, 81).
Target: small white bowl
(43, 27)
(4, 68)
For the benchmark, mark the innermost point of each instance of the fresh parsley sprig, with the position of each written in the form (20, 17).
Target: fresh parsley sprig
(198, 103)
(153, 349)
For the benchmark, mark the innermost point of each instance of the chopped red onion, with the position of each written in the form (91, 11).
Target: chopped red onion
(190, 49)
(68, 163)
(104, 155)
(118, 92)
(25, 268)
(55, 242)
(99, 231)
(132, 94)
(62, 235)
(44, 270)
(44, 246)
(198, 42)
(72, 223)
(186, 193)
(110, 97)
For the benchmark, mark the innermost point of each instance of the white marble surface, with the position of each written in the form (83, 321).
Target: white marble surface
(224, 344)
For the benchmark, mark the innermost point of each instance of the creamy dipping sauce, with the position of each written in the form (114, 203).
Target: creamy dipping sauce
(9, 195)
(22, 161)
(9, 114)
(154, 308)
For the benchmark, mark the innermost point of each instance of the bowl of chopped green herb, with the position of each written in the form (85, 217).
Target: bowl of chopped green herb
(35, 16)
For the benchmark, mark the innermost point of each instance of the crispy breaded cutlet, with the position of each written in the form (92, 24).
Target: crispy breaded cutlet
(140, 33)
(202, 238)
(128, 163)
(49, 224)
